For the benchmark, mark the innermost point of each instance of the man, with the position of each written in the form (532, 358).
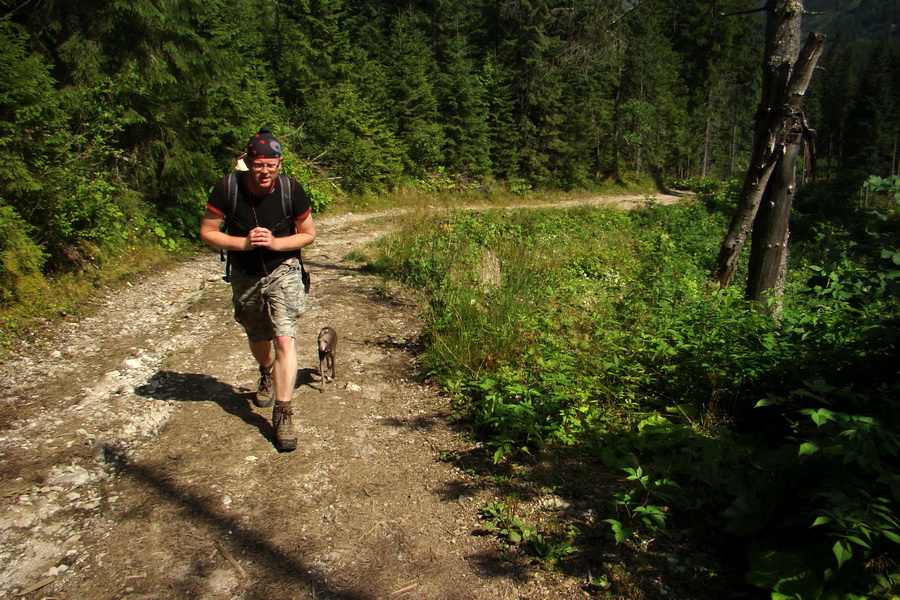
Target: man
(263, 244)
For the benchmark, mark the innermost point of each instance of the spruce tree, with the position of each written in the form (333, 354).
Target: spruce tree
(874, 125)
(832, 97)
(32, 126)
(413, 73)
(651, 111)
(718, 46)
(464, 109)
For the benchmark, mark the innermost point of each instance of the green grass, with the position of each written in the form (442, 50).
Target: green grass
(735, 435)
(419, 195)
(54, 296)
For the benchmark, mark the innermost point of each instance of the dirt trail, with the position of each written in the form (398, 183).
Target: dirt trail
(135, 466)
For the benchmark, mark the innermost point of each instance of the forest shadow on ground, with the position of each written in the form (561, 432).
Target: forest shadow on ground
(250, 544)
(276, 564)
(566, 495)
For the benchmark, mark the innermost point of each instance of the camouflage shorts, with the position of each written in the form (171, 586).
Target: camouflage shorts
(270, 306)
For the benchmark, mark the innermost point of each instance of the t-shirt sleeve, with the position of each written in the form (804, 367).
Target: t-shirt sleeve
(216, 200)
(300, 208)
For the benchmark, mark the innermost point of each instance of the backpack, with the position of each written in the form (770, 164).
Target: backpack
(231, 193)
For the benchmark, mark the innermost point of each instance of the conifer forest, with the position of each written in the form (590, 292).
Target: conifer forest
(117, 116)
(115, 111)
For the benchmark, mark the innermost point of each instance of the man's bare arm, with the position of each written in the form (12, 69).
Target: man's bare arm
(210, 234)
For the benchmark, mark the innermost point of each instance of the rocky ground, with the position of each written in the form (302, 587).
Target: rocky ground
(135, 466)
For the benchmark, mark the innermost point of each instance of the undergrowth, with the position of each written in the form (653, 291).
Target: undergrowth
(772, 442)
(47, 298)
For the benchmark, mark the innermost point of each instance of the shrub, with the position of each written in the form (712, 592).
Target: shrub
(604, 332)
(21, 258)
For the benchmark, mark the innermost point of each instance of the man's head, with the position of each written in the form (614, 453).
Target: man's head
(263, 158)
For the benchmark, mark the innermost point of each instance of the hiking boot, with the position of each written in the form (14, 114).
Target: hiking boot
(284, 427)
(265, 393)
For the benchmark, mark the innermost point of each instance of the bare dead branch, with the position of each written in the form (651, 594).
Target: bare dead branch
(805, 67)
(744, 12)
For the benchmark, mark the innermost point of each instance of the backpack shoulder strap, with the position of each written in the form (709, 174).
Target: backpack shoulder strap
(232, 184)
(231, 189)
(286, 189)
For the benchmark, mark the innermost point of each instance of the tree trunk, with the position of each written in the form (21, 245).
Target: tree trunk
(784, 84)
(707, 137)
(769, 245)
(895, 163)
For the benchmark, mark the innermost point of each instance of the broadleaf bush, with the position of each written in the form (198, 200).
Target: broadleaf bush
(603, 331)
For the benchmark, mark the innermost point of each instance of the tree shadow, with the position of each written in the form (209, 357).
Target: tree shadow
(172, 386)
(335, 270)
(285, 568)
(567, 494)
(418, 423)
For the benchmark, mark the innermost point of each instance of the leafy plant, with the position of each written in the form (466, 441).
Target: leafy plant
(500, 518)
(603, 332)
(635, 504)
(887, 188)
(20, 258)
(319, 196)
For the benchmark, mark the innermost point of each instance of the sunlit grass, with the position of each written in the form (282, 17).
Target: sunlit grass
(414, 197)
(600, 329)
(49, 298)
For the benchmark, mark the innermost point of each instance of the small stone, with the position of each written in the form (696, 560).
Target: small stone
(75, 478)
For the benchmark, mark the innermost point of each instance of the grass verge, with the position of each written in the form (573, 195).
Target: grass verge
(722, 453)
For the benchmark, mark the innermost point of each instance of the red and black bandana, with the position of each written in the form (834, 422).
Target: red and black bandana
(263, 145)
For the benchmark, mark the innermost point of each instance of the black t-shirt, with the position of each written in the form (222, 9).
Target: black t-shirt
(265, 212)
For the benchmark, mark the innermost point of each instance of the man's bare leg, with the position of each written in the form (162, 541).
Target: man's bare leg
(285, 372)
(262, 352)
(264, 355)
(285, 368)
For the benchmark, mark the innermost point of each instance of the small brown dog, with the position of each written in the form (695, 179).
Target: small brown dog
(327, 344)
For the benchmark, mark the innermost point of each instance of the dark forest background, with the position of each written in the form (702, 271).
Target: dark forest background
(117, 116)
